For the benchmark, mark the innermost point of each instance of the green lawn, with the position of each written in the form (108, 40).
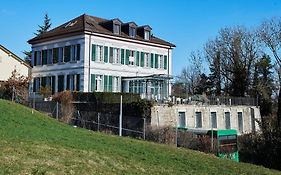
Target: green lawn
(36, 144)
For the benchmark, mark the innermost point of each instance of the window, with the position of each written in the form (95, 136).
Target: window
(75, 52)
(146, 35)
(37, 58)
(181, 120)
(240, 122)
(132, 32)
(116, 55)
(44, 56)
(60, 83)
(67, 53)
(214, 120)
(147, 59)
(116, 28)
(98, 83)
(131, 57)
(36, 84)
(198, 117)
(73, 82)
(55, 55)
(116, 85)
(227, 120)
(99, 54)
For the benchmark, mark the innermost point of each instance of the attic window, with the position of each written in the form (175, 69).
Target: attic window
(116, 29)
(147, 35)
(132, 32)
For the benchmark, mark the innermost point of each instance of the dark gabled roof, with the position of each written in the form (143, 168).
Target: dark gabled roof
(14, 56)
(86, 23)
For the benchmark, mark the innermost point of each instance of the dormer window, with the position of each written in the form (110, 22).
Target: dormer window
(132, 32)
(147, 35)
(116, 29)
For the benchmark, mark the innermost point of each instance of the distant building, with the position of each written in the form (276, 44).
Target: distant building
(242, 117)
(90, 54)
(10, 62)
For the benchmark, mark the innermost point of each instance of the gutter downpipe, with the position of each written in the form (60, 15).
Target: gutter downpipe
(89, 71)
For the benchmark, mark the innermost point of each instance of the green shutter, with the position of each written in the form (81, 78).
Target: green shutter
(138, 58)
(93, 82)
(110, 83)
(93, 52)
(122, 56)
(156, 61)
(111, 55)
(127, 56)
(152, 60)
(105, 54)
(165, 62)
(142, 59)
(105, 85)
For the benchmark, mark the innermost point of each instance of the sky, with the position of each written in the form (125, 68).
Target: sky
(188, 24)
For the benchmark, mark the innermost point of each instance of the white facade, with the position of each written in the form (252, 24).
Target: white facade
(87, 66)
(242, 118)
(10, 62)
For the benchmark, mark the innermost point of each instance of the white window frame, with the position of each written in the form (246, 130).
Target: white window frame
(132, 32)
(116, 30)
(146, 59)
(116, 56)
(132, 55)
(99, 53)
(146, 35)
(99, 83)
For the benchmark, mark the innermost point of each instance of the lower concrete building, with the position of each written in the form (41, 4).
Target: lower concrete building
(243, 118)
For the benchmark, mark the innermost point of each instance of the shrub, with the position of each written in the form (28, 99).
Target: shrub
(16, 88)
(165, 135)
(262, 148)
(67, 108)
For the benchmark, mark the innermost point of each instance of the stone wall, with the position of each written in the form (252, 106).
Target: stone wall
(163, 115)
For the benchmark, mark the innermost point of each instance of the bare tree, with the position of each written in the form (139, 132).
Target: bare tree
(190, 75)
(269, 33)
(231, 57)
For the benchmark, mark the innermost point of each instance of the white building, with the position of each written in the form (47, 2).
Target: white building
(243, 118)
(10, 62)
(93, 54)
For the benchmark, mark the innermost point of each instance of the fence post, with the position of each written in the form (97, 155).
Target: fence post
(98, 121)
(57, 111)
(33, 102)
(120, 117)
(144, 127)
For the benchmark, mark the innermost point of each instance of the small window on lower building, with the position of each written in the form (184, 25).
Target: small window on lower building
(214, 120)
(181, 120)
(240, 121)
(227, 120)
(198, 119)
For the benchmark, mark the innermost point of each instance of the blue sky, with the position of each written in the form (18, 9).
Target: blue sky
(186, 23)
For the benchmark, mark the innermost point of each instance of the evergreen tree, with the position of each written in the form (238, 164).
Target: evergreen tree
(45, 27)
(263, 83)
(42, 29)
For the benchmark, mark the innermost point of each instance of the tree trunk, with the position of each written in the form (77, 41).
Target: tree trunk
(279, 108)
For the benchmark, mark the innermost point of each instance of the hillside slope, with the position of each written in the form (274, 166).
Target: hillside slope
(36, 144)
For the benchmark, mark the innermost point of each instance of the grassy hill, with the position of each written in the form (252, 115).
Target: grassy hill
(36, 144)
